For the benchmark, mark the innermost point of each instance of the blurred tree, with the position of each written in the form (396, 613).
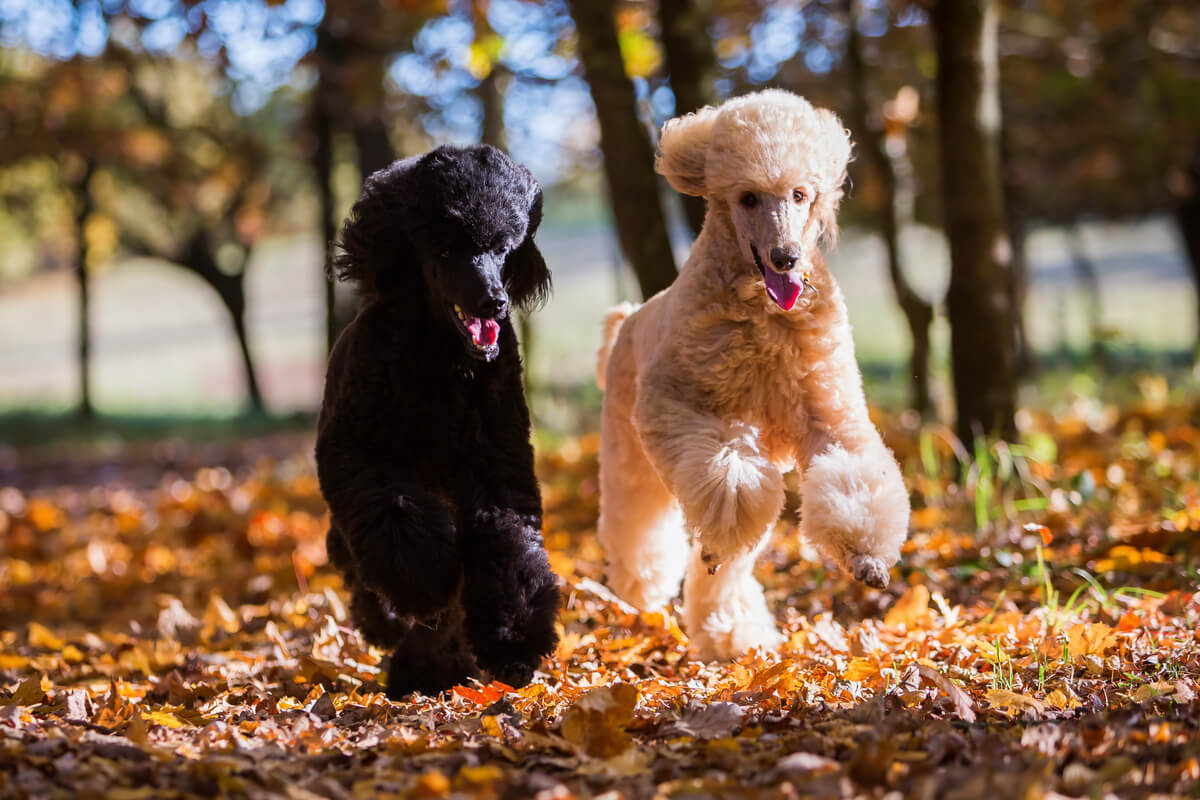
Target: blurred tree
(882, 138)
(203, 196)
(625, 143)
(70, 113)
(1100, 110)
(978, 301)
(83, 195)
(692, 67)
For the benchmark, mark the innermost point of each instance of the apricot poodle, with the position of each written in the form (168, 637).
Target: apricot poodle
(740, 371)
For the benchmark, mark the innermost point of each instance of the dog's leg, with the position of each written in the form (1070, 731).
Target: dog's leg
(855, 509)
(510, 594)
(725, 613)
(432, 656)
(394, 538)
(641, 526)
(854, 504)
(729, 491)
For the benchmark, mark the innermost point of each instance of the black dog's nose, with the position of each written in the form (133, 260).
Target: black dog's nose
(494, 303)
(784, 258)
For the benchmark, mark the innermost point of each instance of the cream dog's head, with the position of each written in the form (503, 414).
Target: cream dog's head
(776, 165)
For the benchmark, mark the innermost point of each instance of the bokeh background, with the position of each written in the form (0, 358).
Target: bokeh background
(171, 170)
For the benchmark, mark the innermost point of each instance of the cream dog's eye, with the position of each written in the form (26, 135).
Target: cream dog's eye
(748, 200)
(798, 195)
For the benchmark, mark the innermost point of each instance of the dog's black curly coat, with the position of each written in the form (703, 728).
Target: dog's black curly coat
(423, 449)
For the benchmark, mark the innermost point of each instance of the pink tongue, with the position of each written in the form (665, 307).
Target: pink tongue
(484, 332)
(782, 288)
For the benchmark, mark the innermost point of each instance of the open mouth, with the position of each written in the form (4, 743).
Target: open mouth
(782, 287)
(483, 334)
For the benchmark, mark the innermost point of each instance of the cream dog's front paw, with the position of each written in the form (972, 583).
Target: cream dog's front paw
(871, 571)
(736, 497)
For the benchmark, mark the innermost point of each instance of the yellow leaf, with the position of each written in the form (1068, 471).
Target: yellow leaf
(768, 677)
(432, 784)
(1014, 702)
(1060, 700)
(41, 636)
(1091, 639)
(164, 718)
(29, 692)
(595, 723)
(910, 610)
(491, 725)
(482, 775)
(1125, 558)
(860, 669)
(72, 654)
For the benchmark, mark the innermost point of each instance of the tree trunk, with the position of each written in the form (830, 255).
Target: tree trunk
(628, 157)
(1187, 215)
(373, 145)
(692, 65)
(236, 304)
(491, 97)
(1025, 358)
(231, 288)
(323, 167)
(84, 209)
(1089, 279)
(978, 302)
(895, 212)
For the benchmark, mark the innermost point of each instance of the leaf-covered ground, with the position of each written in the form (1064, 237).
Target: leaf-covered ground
(1039, 639)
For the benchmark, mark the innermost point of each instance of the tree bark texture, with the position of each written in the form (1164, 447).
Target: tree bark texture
(892, 216)
(979, 300)
(198, 258)
(84, 209)
(323, 167)
(625, 144)
(1187, 215)
(692, 66)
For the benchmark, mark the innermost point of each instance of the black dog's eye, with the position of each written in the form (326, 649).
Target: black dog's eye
(798, 195)
(748, 200)
(444, 255)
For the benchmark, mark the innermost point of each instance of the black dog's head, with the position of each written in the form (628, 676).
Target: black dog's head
(452, 228)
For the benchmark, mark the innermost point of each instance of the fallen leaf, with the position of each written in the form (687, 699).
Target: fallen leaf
(962, 702)
(911, 610)
(595, 723)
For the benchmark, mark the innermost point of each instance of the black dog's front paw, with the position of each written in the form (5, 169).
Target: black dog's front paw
(512, 636)
(423, 583)
(515, 675)
(407, 552)
(429, 676)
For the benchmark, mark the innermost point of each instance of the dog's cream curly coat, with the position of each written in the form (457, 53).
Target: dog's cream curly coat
(713, 389)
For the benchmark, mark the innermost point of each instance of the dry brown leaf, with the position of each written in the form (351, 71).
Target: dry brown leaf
(595, 723)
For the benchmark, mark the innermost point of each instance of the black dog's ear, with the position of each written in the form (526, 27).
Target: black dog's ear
(526, 276)
(373, 237)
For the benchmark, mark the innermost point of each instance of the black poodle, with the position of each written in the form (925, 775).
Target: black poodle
(423, 449)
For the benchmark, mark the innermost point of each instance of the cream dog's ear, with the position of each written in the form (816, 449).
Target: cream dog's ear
(684, 143)
(837, 147)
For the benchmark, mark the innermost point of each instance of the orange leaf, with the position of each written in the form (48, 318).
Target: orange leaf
(474, 695)
(910, 610)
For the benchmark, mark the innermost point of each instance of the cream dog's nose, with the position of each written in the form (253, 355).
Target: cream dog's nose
(784, 258)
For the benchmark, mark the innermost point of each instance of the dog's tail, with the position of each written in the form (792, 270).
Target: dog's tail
(613, 320)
